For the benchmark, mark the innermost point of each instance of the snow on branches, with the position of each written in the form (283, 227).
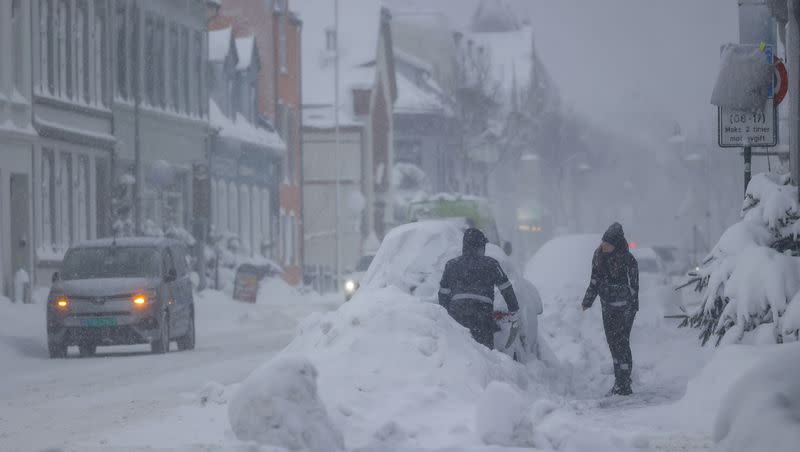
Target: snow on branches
(748, 284)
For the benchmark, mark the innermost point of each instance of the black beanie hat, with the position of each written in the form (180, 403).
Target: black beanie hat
(616, 236)
(474, 239)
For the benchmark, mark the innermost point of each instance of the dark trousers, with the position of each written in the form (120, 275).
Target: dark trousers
(618, 323)
(478, 318)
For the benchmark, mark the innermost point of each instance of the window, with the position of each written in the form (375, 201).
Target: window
(150, 70)
(82, 49)
(18, 30)
(100, 53)
(233, 209)
(122, 50)
(282, 50)
(174, 88)
(81, 184)
(330, 39)
(46, 79)
(245, 210)
(185, 68)
(266, 222)
(64, 204)
(160, 57)
(63, 60)
(255, 220)
(47, 199)
(198, 74)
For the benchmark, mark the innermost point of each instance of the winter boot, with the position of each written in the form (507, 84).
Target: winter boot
(624, 390)
(613, 391)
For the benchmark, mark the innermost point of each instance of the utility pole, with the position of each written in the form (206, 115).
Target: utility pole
(137, 151)
(337, 154)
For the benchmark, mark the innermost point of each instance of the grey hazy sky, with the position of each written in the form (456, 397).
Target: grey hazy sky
(616, 58)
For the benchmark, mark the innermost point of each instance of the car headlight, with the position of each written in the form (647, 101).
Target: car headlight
(350, 286)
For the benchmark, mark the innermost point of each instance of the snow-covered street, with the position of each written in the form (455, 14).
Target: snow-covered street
(86, 403)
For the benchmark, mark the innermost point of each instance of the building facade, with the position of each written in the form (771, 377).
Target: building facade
(160, 111)
(277, 33)
(245, 158)
(72, 114)
(365, 149)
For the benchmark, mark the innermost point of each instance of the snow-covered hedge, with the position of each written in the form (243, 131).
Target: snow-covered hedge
(748, 284)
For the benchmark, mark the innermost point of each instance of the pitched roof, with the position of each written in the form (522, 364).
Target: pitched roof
(219, 44)
(244, 48)
(359, 25)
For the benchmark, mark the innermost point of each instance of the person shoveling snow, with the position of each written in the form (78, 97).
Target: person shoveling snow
(615, 278)
(467, 290)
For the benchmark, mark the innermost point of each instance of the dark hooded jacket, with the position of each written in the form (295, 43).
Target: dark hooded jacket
(615, 275)
(472, 277)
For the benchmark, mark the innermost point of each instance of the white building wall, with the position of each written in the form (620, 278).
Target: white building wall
(319, 196)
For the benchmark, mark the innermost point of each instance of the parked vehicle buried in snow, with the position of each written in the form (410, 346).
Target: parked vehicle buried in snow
(121, 292)
(412, 258)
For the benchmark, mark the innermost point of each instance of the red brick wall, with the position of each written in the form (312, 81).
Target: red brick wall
(288, 86)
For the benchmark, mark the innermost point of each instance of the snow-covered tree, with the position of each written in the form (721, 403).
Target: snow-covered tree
(749, 285)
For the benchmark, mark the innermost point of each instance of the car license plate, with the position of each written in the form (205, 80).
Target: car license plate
(99, 321)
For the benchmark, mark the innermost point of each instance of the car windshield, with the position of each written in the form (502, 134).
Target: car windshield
(648, 266)
(111, 262)
(363, 263)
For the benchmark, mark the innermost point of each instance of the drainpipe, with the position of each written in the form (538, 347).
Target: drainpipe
(793, 67)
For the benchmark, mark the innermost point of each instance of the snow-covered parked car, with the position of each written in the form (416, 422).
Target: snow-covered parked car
(121, 292)
(412, 258)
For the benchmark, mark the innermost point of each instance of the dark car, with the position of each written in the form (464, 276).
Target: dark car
(121, 292)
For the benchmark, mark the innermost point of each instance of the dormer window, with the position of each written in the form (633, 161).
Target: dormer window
(330, 39)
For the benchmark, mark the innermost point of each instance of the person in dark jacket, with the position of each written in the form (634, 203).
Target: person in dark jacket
(615, 278)
(467, 289)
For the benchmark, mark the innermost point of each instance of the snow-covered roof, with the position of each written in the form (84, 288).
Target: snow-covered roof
(414, 99)
(244, 49)
(219, 44)
(242, 129)
(359, 23)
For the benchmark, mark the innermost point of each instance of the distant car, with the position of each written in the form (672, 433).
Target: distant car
(121, 292)
(412, 258)
(676, 262)
(353, 281)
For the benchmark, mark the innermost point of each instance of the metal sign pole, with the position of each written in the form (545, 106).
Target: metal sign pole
(748, 166)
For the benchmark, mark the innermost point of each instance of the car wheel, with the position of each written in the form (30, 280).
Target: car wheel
(186, 342)
(87, 350)
(56, 350)
(161, 345)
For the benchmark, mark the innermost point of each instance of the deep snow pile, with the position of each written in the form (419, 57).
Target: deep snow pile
(762, 410)
(746, 286)
(278, 405)
(397, 373)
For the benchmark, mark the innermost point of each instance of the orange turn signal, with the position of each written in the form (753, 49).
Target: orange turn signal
(62, 302)
(140, 300)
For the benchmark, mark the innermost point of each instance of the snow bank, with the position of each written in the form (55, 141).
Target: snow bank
(397, 371)
(563, 262)
(278, 405)
(275, 290)
(762, 410)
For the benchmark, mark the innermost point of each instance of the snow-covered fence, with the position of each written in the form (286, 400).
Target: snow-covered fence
(749, 284)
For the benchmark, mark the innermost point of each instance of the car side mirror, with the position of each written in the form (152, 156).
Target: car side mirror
(507, 248)
(172, 275)
(56, 277)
